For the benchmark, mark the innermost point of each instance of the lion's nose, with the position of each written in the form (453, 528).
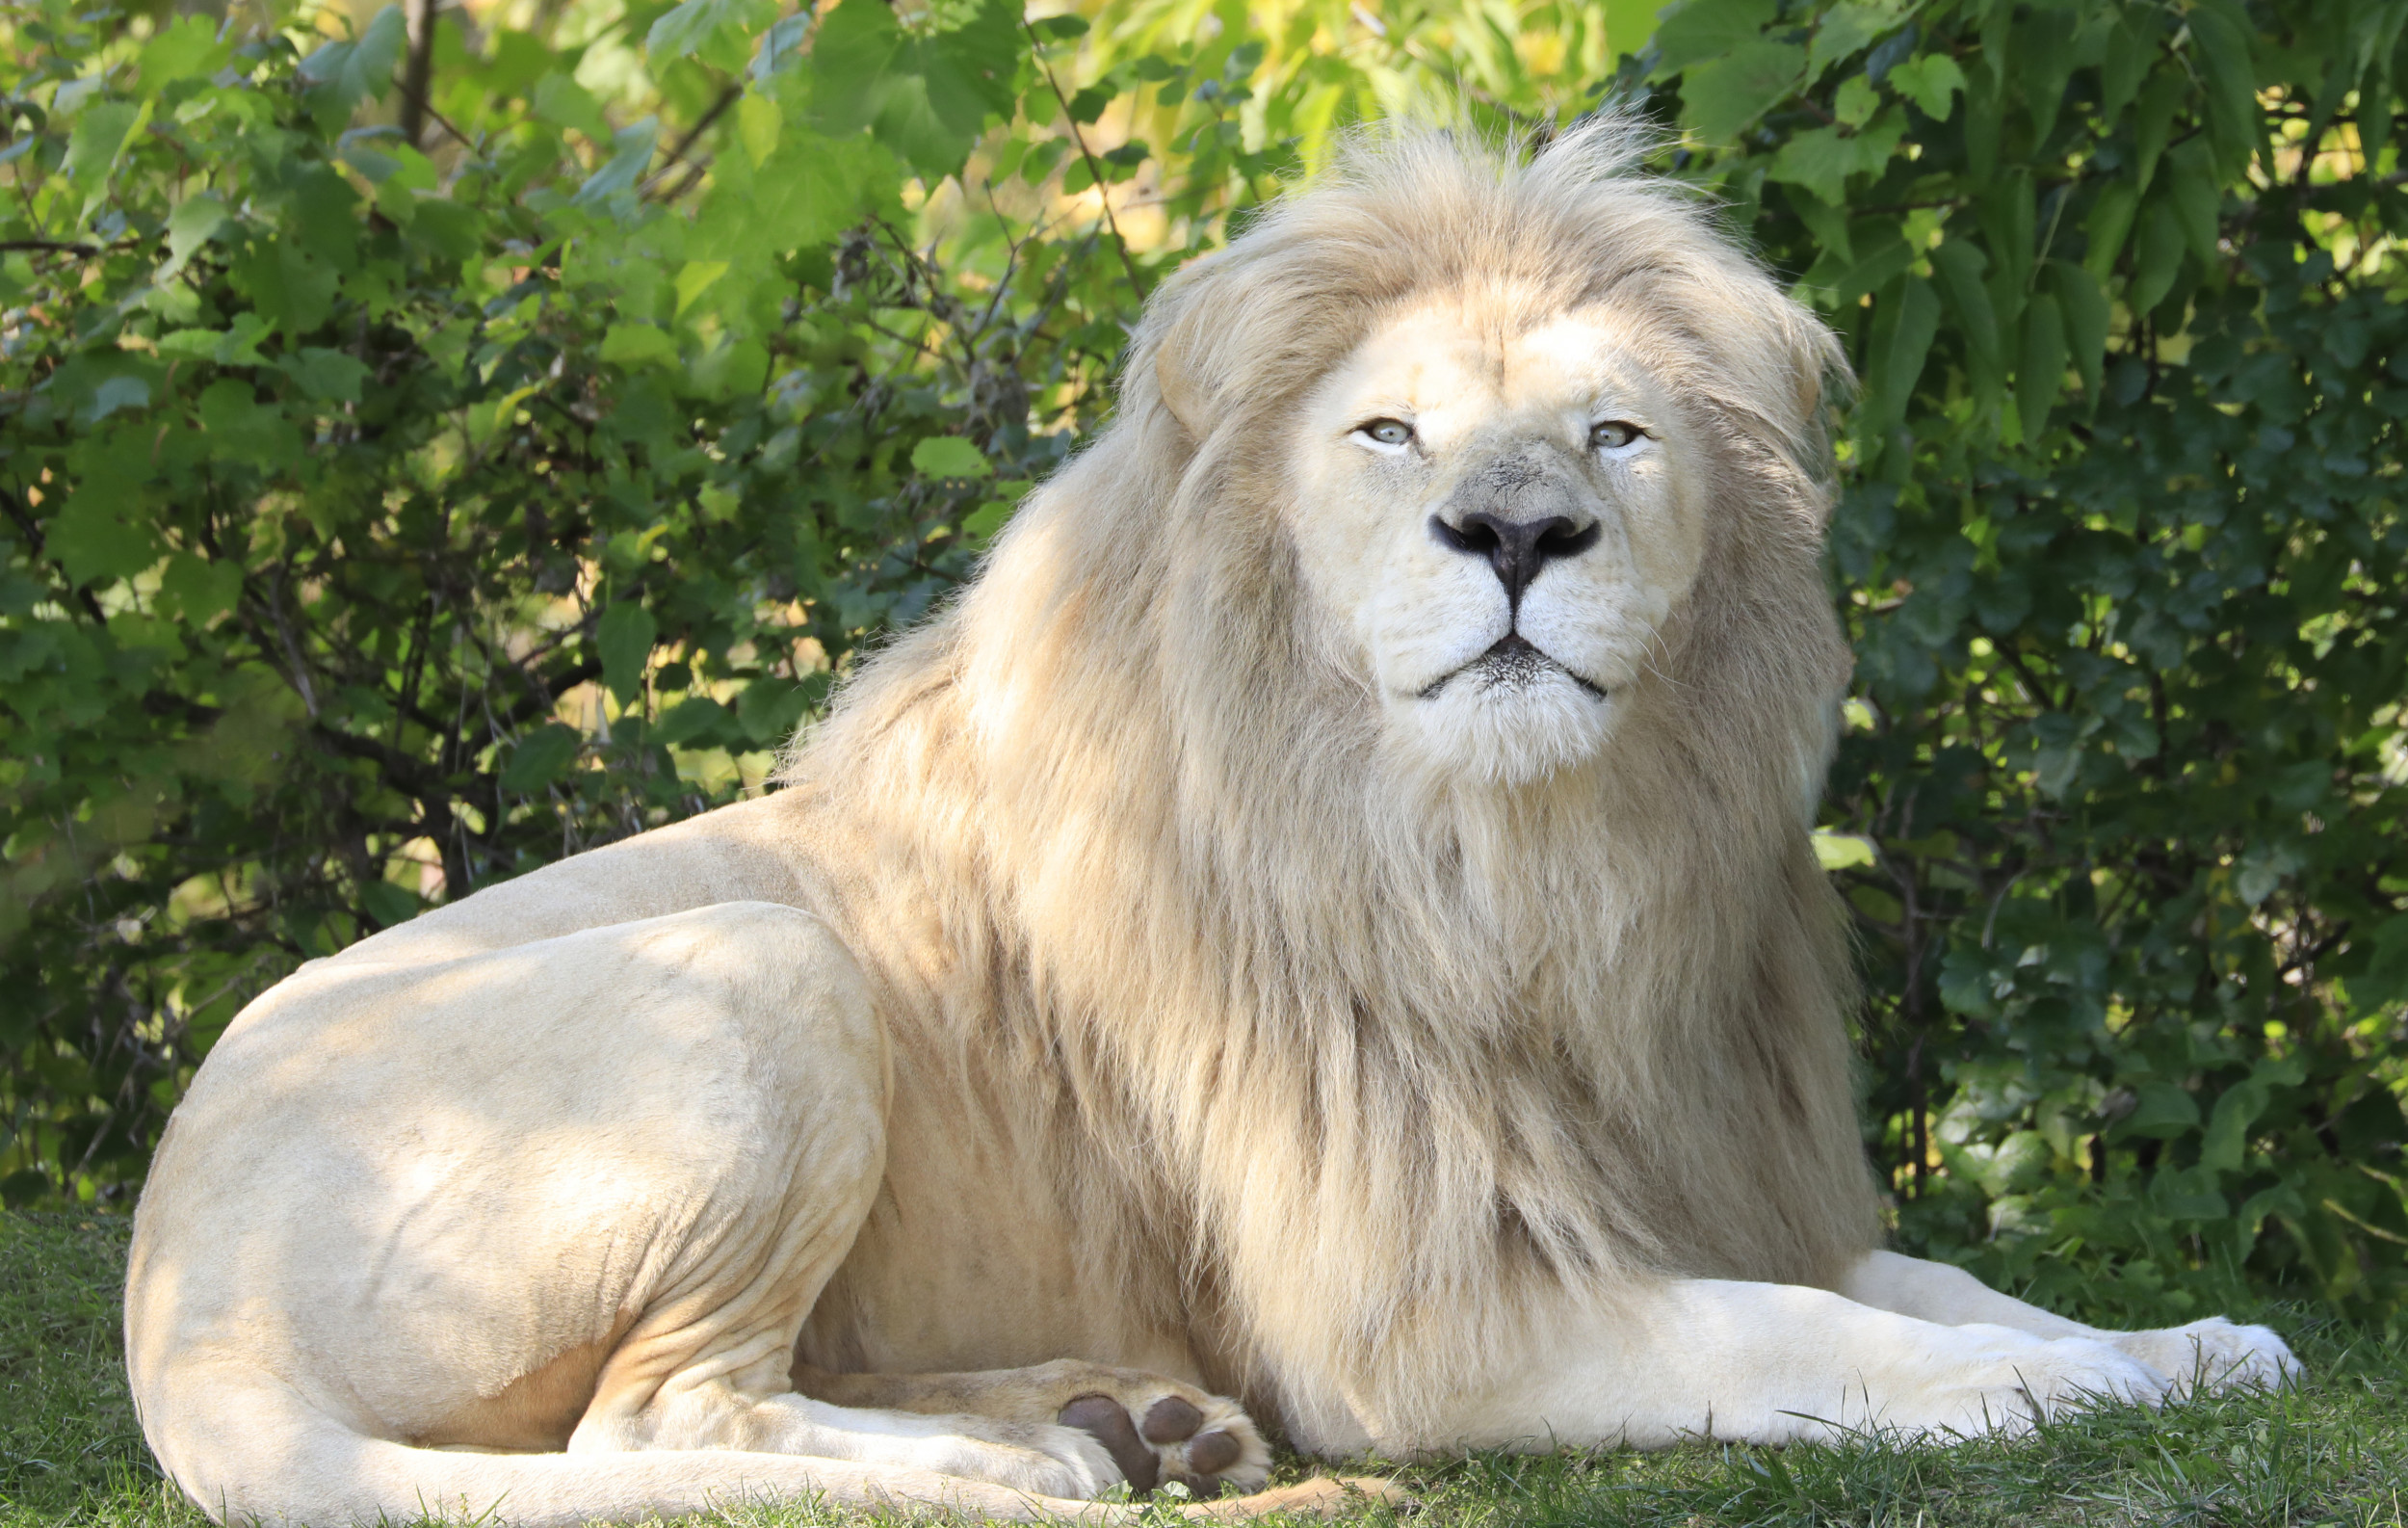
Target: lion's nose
(1517, 549)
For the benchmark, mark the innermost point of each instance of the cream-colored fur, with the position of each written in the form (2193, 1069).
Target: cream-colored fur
(1270, 939)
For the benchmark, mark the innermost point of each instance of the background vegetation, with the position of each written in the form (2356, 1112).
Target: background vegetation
(432, 442)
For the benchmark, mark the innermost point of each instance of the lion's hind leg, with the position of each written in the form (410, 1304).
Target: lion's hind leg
(1156, 1429)
(572, 1198)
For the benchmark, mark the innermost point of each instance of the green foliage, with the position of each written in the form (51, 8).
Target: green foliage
(387, 516)
(383, 521)
(2122, 548)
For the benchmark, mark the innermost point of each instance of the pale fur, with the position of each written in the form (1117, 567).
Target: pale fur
(1163, 999)
(1487, 1036)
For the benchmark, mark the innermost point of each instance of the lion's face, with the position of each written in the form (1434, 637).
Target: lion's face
(1498, 519)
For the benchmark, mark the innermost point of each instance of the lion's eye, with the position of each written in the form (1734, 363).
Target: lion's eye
(1613, 434)
(1390, 433)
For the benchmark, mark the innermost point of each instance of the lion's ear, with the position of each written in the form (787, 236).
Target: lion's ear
(1809, 363)
(1175, 378)
(1247, 312)
(1178, 350)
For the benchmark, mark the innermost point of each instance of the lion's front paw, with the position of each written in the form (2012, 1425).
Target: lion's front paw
(2214, 1354)
(2014, 1381)
(1158, 1430)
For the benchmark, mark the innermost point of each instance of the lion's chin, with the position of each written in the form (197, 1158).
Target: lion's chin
(1511, 728)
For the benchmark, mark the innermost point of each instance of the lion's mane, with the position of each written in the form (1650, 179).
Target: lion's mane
(1374, 1055)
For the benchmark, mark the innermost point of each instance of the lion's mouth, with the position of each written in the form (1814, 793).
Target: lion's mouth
(1511, 663)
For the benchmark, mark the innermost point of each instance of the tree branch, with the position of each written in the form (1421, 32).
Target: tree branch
(1102, 191)
(685, 144)
(418, 68)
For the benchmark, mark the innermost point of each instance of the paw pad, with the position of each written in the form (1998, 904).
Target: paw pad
(1108, 1422)
(1169, 1422)
(1171, 1419)
(1212, 1452)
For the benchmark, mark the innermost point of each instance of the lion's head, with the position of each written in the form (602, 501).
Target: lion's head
(1507, 414)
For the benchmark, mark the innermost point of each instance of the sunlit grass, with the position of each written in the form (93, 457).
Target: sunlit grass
(2333, 1451)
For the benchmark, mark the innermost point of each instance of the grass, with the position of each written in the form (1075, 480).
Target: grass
(2332, 1451)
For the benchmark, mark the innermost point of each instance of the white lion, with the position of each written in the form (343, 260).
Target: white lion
(1328, 919)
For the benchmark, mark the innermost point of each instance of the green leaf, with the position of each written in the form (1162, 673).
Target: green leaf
(2222, 32)
(1958, 264)
(809, 191)
(2178, 1196)
(781, 46)
(389, 904)
(541, 757)
(623, 638)
(2109, 223)
(2040, 374)
(2227, 1138)
(1706, 29)
(694, 279)
(182, 49)
(1720, 97)
(2088, 318)
(631, 154)
(1846, 28)
(970, 67)
(686, 27)
(293, 290)
(758, 123)
(1881, 255)
(2190, 189)
(238, 429)
(197, 590)
(1985, 115)
(983, 523)
(2160, 1110)
(324, 217)
(1855, 102)
(343, 74)
(698, 721)
(2127, 61)
(2008, 209)
(2160, 101)
(559, 99)
(104, 533)
(949, 457)
(927, 98)
(2158, 257)
(327, 374)
(452, 231)
(101, 133)
(1823, 159)
(1932, 81)
(770, 708)
(115, 393)
(196, 219)
(1902, 342)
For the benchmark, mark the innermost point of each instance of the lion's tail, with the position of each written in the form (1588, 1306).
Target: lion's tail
(264, 1455)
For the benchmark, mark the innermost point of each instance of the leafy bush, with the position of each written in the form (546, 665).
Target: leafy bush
(407, 485)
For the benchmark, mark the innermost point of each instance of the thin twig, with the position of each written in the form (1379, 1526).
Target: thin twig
(685, 144)
(1102, 191)
(65, 246)
(417, 66)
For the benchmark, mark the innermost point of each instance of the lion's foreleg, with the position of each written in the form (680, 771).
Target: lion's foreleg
(1770, 1363)
(2216, 1352)
(1155, 1428)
